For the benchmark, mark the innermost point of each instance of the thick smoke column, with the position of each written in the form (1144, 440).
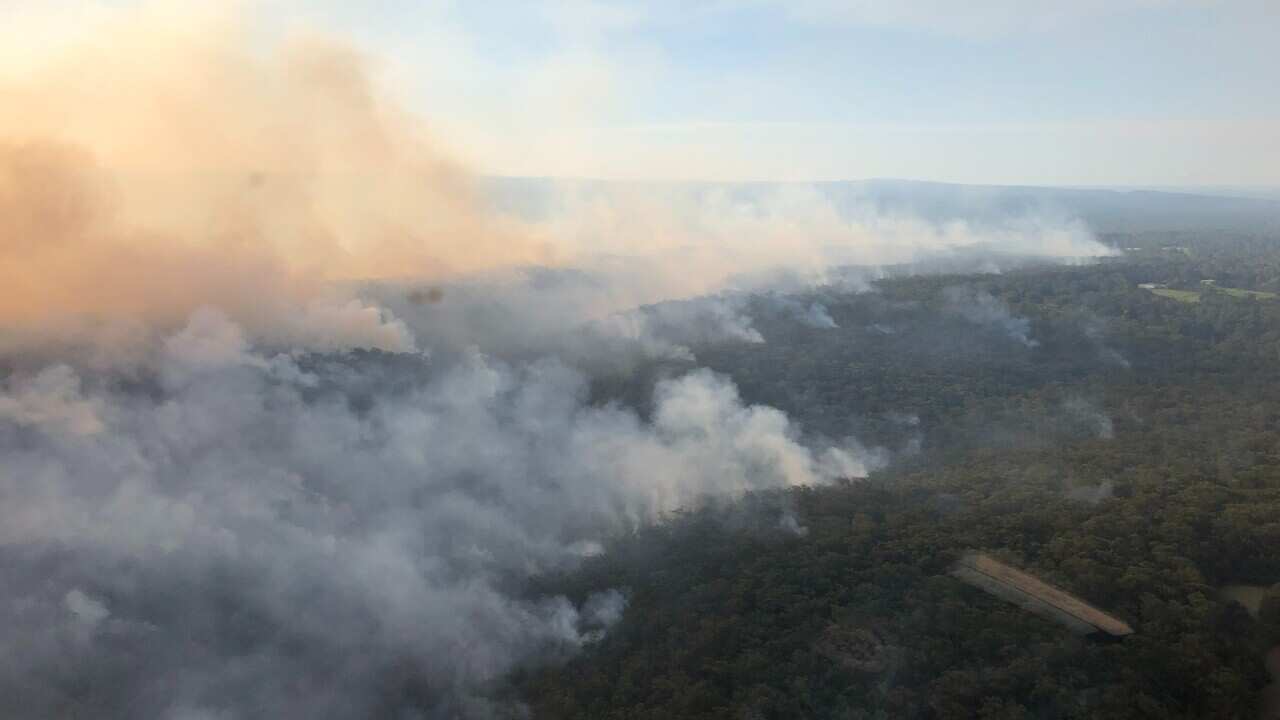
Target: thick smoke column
(163, 163)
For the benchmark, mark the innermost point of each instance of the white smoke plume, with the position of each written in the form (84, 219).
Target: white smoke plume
(981, 308)
(814, 314)
(1089, 415)
(1092, 494)
(252, 541)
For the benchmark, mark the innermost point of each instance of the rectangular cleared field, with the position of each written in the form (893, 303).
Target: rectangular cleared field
(1037, 596)
(1188, 296)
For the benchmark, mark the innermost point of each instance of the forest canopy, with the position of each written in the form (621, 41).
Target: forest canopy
(1117, 443)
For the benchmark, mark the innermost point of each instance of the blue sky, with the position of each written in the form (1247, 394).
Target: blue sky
(1095, 92)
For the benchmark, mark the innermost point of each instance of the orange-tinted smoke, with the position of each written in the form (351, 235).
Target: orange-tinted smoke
(160, 164)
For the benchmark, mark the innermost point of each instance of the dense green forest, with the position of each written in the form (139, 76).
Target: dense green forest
(1119, 444)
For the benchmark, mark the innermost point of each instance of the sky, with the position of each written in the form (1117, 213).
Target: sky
(1092, 92)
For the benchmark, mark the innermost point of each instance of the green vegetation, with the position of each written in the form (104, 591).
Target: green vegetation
(1129, 455)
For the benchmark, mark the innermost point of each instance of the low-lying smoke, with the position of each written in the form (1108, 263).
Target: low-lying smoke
(240, 538)
(981, 308)
(1088, 415)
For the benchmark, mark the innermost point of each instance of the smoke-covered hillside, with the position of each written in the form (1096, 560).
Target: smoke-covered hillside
(1116, 442)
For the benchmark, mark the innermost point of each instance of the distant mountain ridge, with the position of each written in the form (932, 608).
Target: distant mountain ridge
(1104, 210)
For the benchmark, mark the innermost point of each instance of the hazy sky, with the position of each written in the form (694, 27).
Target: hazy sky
(1146, 92)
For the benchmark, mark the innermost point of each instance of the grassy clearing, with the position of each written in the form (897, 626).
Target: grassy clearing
(1237, 292)
(1187, 296)
(1191, 296)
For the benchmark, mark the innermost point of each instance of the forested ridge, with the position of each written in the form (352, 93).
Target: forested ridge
(1116, 443)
